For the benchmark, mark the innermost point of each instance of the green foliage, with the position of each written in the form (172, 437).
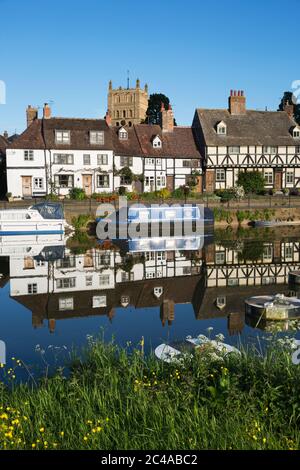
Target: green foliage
(77, 194)
(251, 181)
(52, 197)
(114, 396)
(127, 174)
(122, 191)
(81, 221)
(225, 194)
(288, 97)
(252, 250)
(153, 115)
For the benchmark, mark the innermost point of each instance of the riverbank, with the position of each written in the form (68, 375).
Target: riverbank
(118, 399)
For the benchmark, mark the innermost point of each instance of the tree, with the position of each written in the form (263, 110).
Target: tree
(153, 115)
(252, 181)
(289, 98)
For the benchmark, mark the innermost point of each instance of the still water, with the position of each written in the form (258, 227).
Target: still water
(54, 293)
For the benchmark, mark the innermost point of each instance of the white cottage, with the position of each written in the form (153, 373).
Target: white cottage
(54, 155)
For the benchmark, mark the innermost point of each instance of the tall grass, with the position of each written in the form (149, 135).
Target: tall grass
(116, 399)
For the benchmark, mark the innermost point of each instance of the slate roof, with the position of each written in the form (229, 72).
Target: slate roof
(251, 128)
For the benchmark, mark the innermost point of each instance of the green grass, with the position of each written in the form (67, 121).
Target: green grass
(115, 399)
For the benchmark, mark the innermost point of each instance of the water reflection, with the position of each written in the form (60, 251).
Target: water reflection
(211, 279)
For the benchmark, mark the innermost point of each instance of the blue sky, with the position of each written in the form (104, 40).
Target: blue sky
(194, 51)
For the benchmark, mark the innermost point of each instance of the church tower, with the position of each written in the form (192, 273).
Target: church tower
(127, 106)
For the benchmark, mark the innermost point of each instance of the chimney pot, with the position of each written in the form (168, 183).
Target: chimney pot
(31, 114)
(237, 102)
(46, 111)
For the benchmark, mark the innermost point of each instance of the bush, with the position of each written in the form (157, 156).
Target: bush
(122, 191)
(178, 193)
(252, 181)
(77, 194)
(164, 193)
(80, 221)
(226, 194)
(294, 192)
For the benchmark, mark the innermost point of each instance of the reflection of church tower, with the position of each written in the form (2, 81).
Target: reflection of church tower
(127, 106)
(167, 312)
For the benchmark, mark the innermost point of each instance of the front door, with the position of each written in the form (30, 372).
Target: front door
(278, 180)
(87, 184)
(27, 186)
(170, 183)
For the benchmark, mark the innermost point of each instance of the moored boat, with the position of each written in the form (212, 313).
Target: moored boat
(44, 218)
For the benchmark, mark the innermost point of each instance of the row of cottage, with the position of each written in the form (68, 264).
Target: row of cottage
(54, 155)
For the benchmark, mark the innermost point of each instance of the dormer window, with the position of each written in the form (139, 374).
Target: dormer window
(296, 132)
(96, 137)
(157, 143)
(62, 137)
(221, 128)
(123, 134)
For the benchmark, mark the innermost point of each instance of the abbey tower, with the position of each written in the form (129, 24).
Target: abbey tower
(127, 106)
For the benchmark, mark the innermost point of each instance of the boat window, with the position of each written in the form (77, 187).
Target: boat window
(28, 216)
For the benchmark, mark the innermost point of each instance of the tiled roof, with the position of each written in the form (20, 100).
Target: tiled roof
(251, 128)
(31, 138)
(179, 143)
(41, 134)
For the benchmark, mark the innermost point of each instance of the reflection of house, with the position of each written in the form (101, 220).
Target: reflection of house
(233, 266)
(164, 293)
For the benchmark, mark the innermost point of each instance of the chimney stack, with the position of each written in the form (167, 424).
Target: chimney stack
(289, 109)
(46, 111)
(5, 135)
(108, 118)
(237, 102)
(31, 115)
(167, 118)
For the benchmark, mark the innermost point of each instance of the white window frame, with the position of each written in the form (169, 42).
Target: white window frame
(70, 183)
(222, 178)
(65, 303)
(66, 283)
(106, 181)
(62, 137)
(102, 159)
(99, 301)
(289, 177)
(28, 155)
(269, 176)
(150, 161)
(38, 183)
(234, 149)
(104, 279)
(97, 137)
(86, 159)
(63, 159)
(32, 288)
(271, 149)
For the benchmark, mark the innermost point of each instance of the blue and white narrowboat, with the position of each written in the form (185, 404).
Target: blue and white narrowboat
(44, 218)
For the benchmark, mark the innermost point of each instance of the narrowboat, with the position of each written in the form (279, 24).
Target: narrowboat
(43, 218)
